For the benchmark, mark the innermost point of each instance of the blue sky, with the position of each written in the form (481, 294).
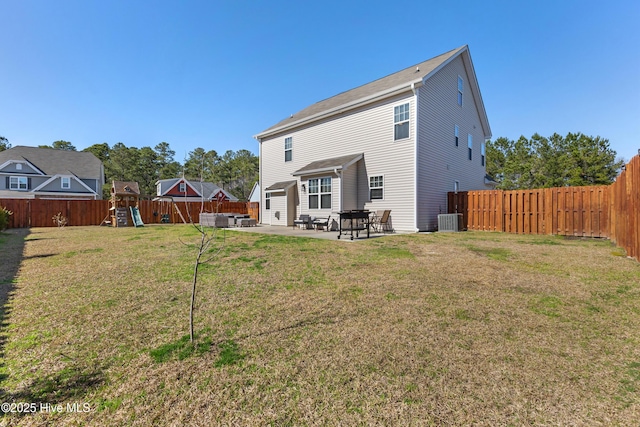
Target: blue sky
(212, 74)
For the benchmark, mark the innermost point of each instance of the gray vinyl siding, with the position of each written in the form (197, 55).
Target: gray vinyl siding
(26, 169)
(35, 181)
(292, 201)
(369, 130)
(440, 162)
(55, 186)
(92, 184)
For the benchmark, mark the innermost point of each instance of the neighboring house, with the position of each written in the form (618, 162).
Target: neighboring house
(47, 173)
(181, 189)
(254, 196)
(401, 143)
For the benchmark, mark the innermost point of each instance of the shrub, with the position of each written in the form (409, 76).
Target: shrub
(4, 218)
(60, 220)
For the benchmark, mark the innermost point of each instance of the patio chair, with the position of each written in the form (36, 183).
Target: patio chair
(322, 223)
(375, 221)
(304, 220)
(385, 223)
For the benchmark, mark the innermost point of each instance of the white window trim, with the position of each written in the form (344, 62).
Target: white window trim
(457, 134)
(320, 193)
(470, 146)
(289, 149)
(182, 187)
(403, 121)
(456, 186)
(18, 166)
(17, 183)
(66, 179)
(376, 188)
(483, 154)
(460, 94)
(267, 201)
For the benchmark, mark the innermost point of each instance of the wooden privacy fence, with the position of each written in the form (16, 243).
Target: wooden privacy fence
(39, 212)
(625, 209)
(575, 211)
(598, 211)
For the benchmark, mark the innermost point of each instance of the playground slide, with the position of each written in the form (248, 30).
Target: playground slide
(135, 215)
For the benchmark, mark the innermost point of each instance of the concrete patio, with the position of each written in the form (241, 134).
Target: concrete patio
(313, 234)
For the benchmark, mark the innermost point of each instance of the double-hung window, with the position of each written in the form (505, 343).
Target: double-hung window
(267, 201)
(482, 154)
(18, 183)
(460, 90)
(457, 132)
(376, 187)
(288, 149)
(401, 122)
(470, 145)
(182, 187)
(319, 193)
(65, 182)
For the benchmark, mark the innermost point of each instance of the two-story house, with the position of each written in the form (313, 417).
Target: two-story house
(400, 142)
(30, 172)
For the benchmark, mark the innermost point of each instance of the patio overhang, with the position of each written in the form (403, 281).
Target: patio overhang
(280, 187)
(329, 165)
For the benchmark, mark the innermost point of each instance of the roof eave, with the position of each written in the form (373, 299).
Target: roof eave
(405, 87)
(484, 119)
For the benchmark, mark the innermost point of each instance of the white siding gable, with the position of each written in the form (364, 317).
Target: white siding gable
(369, 130)
(440, 162)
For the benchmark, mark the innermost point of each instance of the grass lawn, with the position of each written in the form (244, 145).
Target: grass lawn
(440, 329)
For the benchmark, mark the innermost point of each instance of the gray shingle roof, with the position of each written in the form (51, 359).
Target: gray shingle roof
(52, 162)
(280, 186)
(325, 165)
(414, 73)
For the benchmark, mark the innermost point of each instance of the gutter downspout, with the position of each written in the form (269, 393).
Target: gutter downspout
(339, 173)
(415, 161)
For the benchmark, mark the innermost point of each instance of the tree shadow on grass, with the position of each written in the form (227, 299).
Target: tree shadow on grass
(12, 248)
(71, 382)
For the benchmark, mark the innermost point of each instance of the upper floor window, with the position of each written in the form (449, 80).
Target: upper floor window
(18, 183)
(457, 132)
(470, 145)
(376, 187)
(288, 149)
(267, 201)
(401, 122)
(320, 193)
(460, 90)
(482, 154)
(183, 187)
(18, 166)
(65, 182)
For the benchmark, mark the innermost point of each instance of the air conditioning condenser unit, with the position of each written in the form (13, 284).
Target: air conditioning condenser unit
(450, 222)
